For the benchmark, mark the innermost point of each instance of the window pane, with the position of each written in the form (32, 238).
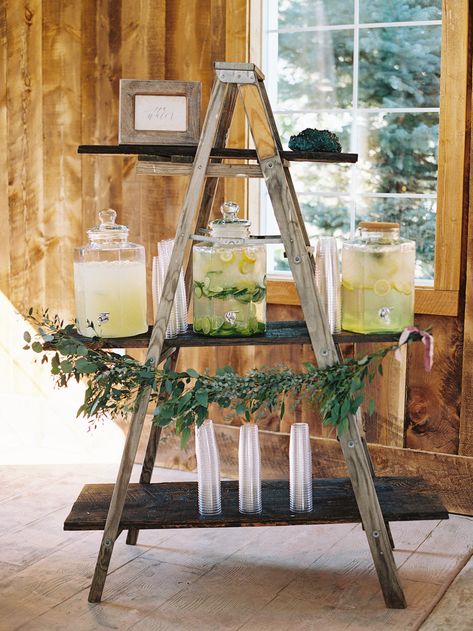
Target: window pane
(309, 13)
(323, 215)
(406, 11)
(315, 69)
(326, 215)
(417, 220)
(398, 152)
(310, 177)
(400, 67)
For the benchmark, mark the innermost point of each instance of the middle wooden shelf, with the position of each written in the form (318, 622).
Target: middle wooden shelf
(285, 332)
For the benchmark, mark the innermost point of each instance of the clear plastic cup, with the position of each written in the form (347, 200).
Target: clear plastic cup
(327, 277)
(177, 323)
(300, 469)
(249, 488)
(208, 470)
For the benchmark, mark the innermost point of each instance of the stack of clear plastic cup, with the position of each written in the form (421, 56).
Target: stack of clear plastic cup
(300, 469)
(327, 277)
(208, 469)
(178, 319)
(249, 470)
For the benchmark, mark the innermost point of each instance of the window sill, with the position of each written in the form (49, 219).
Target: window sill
(427, 301)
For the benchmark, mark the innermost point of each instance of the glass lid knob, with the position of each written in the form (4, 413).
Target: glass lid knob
(229, 211)
(107, 217)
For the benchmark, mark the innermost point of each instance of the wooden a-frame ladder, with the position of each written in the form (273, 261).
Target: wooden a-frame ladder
(246, 81)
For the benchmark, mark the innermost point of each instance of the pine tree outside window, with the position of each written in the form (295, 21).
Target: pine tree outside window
(379, 74)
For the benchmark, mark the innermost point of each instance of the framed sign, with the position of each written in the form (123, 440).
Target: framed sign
(159, 112)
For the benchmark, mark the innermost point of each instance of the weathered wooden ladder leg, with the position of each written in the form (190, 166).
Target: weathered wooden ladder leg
(183, 233)
(274, 130)
(203, 216)
(289, 221)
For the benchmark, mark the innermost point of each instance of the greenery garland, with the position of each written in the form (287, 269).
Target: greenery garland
(115, 382)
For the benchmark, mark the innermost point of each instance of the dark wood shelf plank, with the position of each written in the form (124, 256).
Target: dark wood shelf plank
(242, 154)
(291, 332)
(174, 505)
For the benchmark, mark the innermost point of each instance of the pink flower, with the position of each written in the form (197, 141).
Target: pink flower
(427, 341)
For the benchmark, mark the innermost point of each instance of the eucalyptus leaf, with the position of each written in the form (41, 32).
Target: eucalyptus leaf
(202, 398)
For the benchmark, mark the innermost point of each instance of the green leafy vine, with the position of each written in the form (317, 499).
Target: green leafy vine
(115, 382)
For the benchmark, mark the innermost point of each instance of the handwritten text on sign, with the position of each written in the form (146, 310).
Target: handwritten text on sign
(155, 112)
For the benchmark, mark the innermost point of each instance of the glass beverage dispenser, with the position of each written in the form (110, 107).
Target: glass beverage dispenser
(229, 279)
(110, 282)
(378, 270)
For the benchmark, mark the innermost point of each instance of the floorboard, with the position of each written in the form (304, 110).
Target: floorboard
(300, 577)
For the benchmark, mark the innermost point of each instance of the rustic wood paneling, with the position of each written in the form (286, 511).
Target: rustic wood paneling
(100, 75)
(61, 168)
(143, 57)
(25, 153)
(4, 218)
(433, 399)
(466, 412)
(386, 425)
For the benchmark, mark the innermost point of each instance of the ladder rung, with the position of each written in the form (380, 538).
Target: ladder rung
(213, 170)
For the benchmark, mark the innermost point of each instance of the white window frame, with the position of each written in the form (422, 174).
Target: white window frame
(442, 298)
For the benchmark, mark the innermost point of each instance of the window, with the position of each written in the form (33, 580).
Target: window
(371, 71)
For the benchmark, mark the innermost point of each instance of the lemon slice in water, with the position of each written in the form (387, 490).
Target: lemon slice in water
(381, 287)
(245, 267)
(227, 256)
(404, 288)
(248, 256)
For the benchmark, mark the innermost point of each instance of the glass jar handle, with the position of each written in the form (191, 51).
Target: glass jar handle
(107, 217)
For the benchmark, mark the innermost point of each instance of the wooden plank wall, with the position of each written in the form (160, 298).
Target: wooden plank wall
(60, 65)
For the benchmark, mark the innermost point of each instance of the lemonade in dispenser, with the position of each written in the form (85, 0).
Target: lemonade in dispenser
(378, 270)
(229, 279)
(110, 282)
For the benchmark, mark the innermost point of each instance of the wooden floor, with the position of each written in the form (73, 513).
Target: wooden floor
(299, 577)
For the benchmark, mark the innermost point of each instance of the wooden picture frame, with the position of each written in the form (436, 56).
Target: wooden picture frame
(159, 112)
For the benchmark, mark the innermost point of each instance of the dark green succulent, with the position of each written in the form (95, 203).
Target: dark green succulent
(315, 140)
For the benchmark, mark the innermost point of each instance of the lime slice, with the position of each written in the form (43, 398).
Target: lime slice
(404, 288)
(227, 256)
(217, 322)
(253, 325)
(206, 326)
(197, 325)
(207, 282)
(381, 287)
(198, 291)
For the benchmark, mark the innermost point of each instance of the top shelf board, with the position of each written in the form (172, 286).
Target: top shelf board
(168, 151)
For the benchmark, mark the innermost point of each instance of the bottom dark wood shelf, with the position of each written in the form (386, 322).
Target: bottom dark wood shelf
(174, 505)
